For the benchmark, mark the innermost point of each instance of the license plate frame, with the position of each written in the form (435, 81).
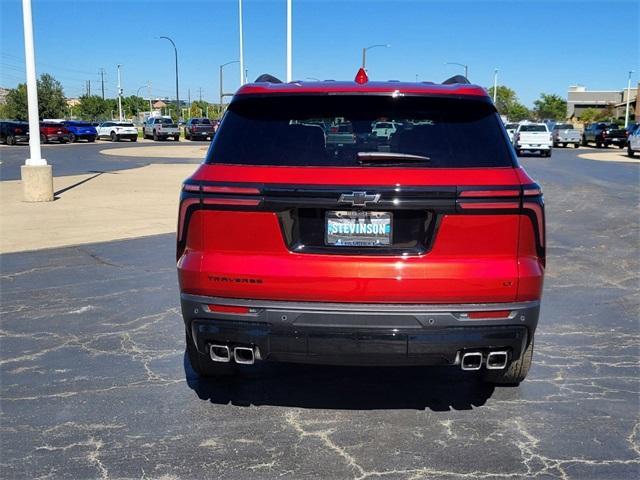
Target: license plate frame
(380, 235)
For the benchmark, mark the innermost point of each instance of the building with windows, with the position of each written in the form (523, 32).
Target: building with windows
(614, 102)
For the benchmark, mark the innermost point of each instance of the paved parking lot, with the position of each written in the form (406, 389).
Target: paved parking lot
(95, 382)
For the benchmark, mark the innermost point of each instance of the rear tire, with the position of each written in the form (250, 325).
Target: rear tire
(515, 373)
(584, 142)
(630, 152)
(155, 136)
(518, 152)
(203, 365)
(73, 138)
(576, 145)
(44, 139)
(11, 140)
(177, 138)
(114, 137)
(134, 139)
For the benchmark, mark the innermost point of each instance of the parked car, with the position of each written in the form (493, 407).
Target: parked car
(533, 137)
(604, 134)
(564, 134)
(53, 131)
(117, 131)
(428, 250)
(199, 128)
(341, 134)
(633, 143)
(12, 132)
(81, 131)
(511, 130)
(160, 128)
(384, 129)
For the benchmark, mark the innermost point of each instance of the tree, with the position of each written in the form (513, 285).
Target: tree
(199, 108)
(551, 107)
(518, 112)
(507, 104)
(51, 101)
(93, 107)
(133, 105)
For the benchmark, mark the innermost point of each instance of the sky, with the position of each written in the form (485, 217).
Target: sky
(537, 46)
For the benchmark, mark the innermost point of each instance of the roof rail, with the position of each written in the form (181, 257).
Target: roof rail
(456, 79)
(265, 77)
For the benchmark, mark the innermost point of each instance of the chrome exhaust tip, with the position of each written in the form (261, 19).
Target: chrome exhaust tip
(219, 353)
(471, 361)
(244, 355)
(497, 360)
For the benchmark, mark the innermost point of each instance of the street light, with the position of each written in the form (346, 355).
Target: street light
(364, 52)
(221, 78)
(175, 50)
(466, 67)
(495, 85)
(626, 115)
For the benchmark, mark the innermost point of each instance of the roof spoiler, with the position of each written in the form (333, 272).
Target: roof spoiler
(456, 79)
(265, 77)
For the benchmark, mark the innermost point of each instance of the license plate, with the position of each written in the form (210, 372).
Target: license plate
(358, 229)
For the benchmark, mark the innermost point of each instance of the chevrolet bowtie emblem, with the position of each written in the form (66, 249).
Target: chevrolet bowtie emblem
(359, 199)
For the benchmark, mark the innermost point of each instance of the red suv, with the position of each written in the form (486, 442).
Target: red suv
(424, 247)
(52, 131)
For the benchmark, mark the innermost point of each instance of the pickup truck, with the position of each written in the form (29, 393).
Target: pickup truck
(604, 134)
(533, 137)
(199, 128)
(160, 128)
(565, 134)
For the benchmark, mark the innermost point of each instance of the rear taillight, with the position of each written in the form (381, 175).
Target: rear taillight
(532, 240)
(223, 197)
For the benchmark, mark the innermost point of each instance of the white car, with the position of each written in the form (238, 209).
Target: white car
(511, 129)
(117, 131)
(384, 129)
(533, 137)
(633, 143)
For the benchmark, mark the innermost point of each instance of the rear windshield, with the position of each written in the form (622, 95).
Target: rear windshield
(125, 124)
(165, 121)
(564, 126)
(511, 126)
(533, 128)
(301, 131)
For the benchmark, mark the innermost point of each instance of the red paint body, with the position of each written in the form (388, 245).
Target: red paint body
(480, 254)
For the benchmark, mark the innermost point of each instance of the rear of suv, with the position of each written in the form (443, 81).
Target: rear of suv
(426, 248)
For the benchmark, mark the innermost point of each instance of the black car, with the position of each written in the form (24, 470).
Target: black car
(199, 128)
(12, 132)
(604, 134)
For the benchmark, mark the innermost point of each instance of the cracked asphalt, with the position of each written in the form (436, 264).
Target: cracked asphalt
(95, 383)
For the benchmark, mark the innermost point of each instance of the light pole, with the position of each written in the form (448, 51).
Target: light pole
(36, 174)
(175, 51)
(364, 52)
(466, 68)
(241, 61)
(495, 85)
(289, 59)
(221, 79)
(119, 96)
(626, 115)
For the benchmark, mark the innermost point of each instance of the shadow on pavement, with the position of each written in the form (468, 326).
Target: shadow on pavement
(344, 388)
(77, 184)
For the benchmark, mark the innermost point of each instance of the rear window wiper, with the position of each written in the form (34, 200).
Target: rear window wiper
(390, 157)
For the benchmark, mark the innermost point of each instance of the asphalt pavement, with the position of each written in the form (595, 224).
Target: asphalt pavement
(83, 157)
(95, 383)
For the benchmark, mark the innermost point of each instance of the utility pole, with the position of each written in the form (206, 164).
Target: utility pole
(102, 81)
(36, 174)
(200, 88)
(626, 115)
(289, 59)
(149, 93)
(119, 95)
(241, 46)
(189, 101)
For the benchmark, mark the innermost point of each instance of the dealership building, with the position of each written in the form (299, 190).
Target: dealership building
(614, 101)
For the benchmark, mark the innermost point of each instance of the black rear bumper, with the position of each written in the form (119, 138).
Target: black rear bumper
(346, 334)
